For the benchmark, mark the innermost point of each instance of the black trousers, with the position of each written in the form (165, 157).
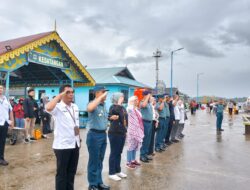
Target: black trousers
(3, 135)
(170, 126)
(46, 118)
(152, 141)
(116, 146)
(67, 161)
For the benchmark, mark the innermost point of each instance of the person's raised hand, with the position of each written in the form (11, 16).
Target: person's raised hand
(114, 117)
(104, 94)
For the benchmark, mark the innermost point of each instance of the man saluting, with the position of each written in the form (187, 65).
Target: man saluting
(66, 137)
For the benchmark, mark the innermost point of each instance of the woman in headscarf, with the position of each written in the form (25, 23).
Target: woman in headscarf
(117, 135)
(135, 132)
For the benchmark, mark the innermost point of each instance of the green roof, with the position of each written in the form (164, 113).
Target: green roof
(115, 75)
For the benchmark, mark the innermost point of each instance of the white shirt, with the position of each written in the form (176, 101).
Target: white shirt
(182, 113)
(155, 113)
(177, 112)
(230, 105)
(64, 134)
(5, 109)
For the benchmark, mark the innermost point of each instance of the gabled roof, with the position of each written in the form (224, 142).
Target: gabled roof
(115, 75)
(19, 42)
(25, 44)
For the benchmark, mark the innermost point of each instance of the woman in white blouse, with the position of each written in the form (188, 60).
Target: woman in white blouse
(182, 116)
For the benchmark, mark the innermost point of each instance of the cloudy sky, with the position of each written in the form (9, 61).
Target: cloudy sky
(215, 35)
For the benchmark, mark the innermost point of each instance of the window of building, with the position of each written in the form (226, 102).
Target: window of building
(91, 95)
(125, 92)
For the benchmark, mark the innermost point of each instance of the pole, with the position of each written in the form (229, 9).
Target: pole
(171, 80)
(197, 96)
(7, 84)
(157, 74)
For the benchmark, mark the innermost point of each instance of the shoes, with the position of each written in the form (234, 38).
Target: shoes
(115, 177)
(32, 139)
(44, 136)
(121, 175)
(131, 166)
(3, 163)
(93, 188)
(144, 159)
(136, 163)
(26, 141)
(149, 157)
(103, 187)
(175, 141)
(220, 129)
(162, 149)
(164, 145)
(158, 150)
(169, 143)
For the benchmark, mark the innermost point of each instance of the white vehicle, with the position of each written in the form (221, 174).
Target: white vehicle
(246, 105)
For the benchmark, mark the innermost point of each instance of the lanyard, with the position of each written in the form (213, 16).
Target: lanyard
(2, 100)
(72, 116)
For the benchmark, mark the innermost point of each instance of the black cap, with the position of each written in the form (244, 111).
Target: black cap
(146, 92)
(99, 88)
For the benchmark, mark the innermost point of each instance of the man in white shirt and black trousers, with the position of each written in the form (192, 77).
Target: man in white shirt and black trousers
(6, 120)
(66, 137)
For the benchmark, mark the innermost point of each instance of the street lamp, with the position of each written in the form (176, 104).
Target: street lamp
(171, 81)
(198, 77)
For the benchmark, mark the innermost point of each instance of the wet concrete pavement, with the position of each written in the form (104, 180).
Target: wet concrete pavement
(204, 160)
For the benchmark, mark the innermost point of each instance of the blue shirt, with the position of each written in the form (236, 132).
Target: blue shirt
(165, 111)
(147, 112)
(220, 108)
(98, 119)
(162, 113)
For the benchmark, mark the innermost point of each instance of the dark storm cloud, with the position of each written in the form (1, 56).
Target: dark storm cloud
(200, 47)
(110, 32)
(237, 32)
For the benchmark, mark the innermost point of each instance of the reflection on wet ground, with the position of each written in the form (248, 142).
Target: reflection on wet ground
(204, 160)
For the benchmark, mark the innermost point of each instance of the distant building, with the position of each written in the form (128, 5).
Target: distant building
(44, 62)
(161, 87)
(115, 79)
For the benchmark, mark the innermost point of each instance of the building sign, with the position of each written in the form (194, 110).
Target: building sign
(47, 60)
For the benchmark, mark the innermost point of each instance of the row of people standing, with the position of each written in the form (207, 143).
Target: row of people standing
(27, 113)
(137, 125)
(134, 125)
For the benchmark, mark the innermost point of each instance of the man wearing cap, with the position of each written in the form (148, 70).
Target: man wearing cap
(147, 116)
(169, 101)
(164, 114)
(176, 125)
(6, 120)
(97, 138)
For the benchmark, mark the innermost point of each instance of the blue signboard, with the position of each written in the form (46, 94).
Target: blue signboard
(47, 60)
